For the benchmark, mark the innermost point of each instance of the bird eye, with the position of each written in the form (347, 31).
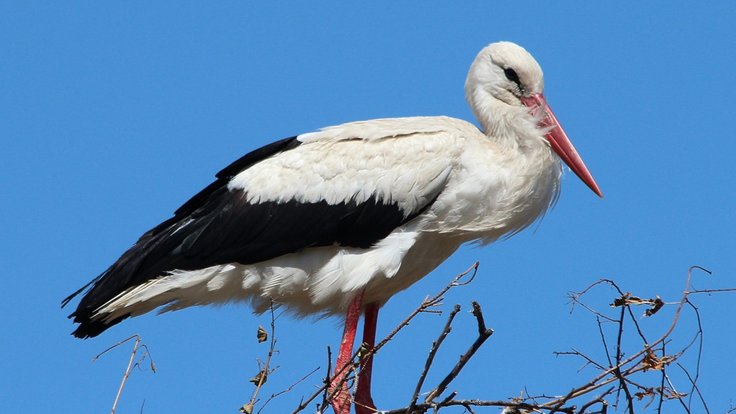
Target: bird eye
(512, 76)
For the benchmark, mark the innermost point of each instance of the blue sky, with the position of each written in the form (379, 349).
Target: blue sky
(111, 116)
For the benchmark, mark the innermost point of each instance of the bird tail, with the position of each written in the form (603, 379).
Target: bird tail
(90, 325)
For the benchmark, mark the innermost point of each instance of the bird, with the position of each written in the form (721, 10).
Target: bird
(338, 220)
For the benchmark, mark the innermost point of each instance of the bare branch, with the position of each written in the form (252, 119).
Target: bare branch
(483, 335)
(136, 346)
(430, 302)
(430, 358)
(291, 387)
(265, 370)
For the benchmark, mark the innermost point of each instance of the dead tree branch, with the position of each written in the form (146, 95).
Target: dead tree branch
(618, 378)
(483, 335)
(137, 345)
(430, 358)
(264, 368)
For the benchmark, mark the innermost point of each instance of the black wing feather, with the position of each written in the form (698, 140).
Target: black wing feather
(219, 226)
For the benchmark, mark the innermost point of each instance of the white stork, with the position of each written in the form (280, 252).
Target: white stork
(339, 220)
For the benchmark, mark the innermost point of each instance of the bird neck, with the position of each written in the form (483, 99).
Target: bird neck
(509, 125)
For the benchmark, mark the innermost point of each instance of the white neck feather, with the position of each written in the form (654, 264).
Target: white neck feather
(509, 125)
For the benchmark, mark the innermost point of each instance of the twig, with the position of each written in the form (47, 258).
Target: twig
(422, 407)
(483, 335)
(137, 345)
(599, 380)
(660, 401)
(291, 387)
(429, 302)
(694, 384)
(603, 339)
(694, 381)
(617, 371)
(430, 358)
(599, 400)
(325, 394)
(265, 369)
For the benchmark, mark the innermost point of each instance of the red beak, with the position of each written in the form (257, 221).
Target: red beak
(560, 142)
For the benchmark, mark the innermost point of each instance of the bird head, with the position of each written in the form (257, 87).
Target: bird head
(505, 79)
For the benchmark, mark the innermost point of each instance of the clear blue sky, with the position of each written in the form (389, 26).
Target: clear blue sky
(112, 115)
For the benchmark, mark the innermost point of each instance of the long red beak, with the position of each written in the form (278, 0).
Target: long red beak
(560, 142)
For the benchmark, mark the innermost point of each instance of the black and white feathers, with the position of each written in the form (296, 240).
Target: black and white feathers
(316, 198)
(309, 222)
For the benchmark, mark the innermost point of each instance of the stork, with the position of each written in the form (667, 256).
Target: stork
(338, 220)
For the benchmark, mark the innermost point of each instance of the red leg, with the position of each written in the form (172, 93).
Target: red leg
(363, 400)
(341, 399)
